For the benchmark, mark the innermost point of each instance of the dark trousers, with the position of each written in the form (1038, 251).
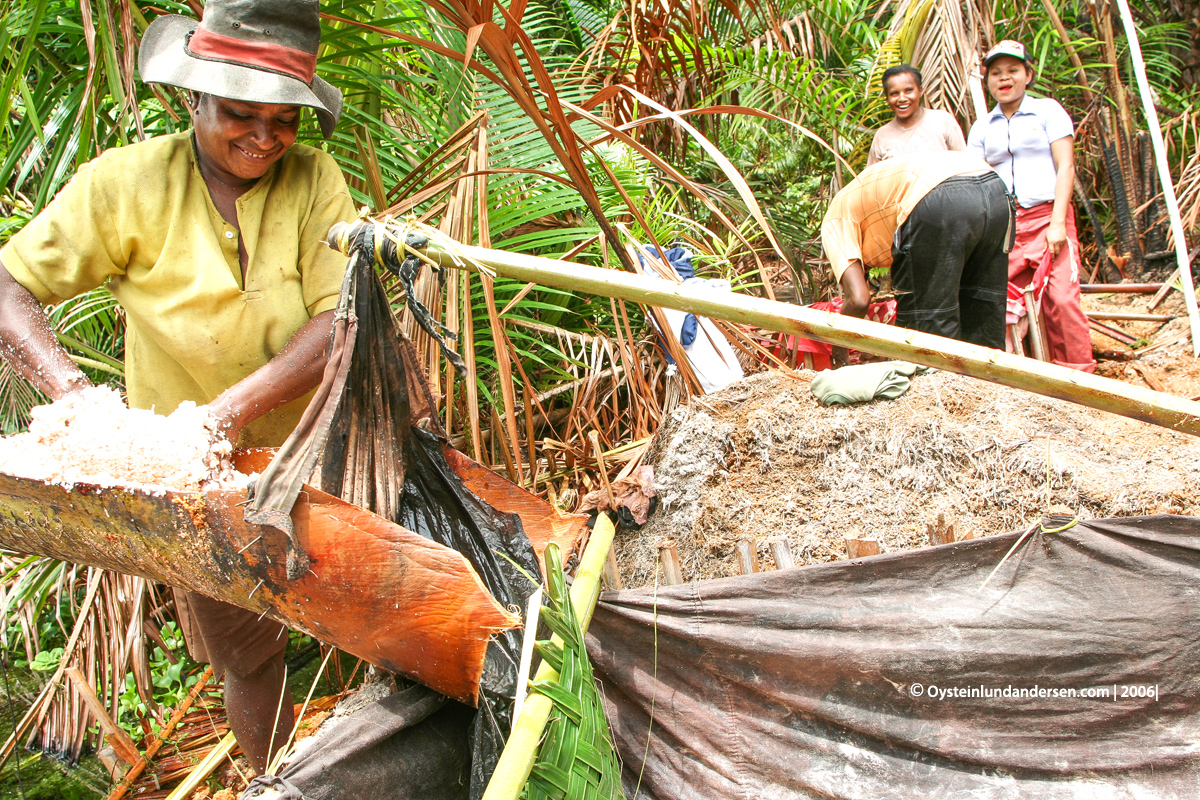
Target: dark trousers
(950, 262)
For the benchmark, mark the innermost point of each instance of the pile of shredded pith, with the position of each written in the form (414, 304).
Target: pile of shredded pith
(763, 460)
(92, 437)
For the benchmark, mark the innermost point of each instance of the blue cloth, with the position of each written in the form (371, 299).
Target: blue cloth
(680, 260)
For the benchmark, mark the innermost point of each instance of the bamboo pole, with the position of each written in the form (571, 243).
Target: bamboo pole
(519, 755)
(1164, 173)
(926, 349)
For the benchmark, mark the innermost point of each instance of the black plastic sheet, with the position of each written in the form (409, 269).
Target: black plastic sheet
(411, 745)
(379, 444)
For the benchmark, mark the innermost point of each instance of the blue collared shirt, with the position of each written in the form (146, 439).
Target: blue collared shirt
(1019, 148)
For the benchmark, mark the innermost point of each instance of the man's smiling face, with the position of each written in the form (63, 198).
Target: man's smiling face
(239, 141)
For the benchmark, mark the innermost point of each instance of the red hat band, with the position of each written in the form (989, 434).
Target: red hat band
(261, 55)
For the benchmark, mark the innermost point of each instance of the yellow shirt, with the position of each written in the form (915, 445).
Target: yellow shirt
(141, 217)
(863, 218)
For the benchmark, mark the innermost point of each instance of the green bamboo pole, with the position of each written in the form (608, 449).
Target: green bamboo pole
(926, 349)
(516, 762)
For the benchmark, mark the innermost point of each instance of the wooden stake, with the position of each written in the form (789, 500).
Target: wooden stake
(612, 575)
(116, 736)
(942, 532)
(783, 554)
(668, 554)
(861, 546)
(1164, 173)
(747, 556)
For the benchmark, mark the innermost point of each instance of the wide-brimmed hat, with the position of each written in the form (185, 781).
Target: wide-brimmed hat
(256, 51)
(1008, 47)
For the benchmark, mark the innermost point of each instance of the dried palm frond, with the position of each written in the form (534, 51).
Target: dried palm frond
(947, 53)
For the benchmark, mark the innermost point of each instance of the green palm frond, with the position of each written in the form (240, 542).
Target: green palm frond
(901, 42)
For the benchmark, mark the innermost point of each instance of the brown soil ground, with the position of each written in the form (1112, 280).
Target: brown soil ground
(1167, 359)
(763, 460)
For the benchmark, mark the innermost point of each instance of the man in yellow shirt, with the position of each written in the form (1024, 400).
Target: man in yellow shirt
(941, 222)
(211, 242)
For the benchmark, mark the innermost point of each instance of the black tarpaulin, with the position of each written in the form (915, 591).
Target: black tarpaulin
(837, 680)
(411, 745)
(373, 429)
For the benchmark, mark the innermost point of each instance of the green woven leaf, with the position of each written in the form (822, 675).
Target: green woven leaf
(576, 760)
(552, 653)
(564, 701)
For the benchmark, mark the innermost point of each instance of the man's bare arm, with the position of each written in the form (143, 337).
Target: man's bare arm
(856, 297)
(28, 343)
(297, 368)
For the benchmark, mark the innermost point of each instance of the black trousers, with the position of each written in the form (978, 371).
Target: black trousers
(950, 261)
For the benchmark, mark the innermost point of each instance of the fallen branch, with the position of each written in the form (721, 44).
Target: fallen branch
(136, 770)
(1118, 316)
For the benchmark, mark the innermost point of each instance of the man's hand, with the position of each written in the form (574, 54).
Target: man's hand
(224, 422)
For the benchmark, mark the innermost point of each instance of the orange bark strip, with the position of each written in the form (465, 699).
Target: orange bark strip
(543, 523)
